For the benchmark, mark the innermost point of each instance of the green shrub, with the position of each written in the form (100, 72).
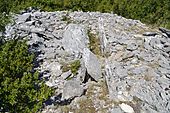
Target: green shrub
(155, 12)
(4, 19)
(21, 90)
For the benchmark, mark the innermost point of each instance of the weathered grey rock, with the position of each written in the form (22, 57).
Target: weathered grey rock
(126, 108)
(146, 56)
(23, 18)
(164, 70)
(92, 64)
(164, 64)
(75, 38)
(29, 23)
(65, 75)
(37, 14)
(35, 39)
(129, 54)
(1, 34)
(164, 35)
(55, 69)
(132, 46)
(156, 43)
(150, 34)
(121, 72)
(50, 84)
(147, 46)
(116, 110)
(134, 61)
(119, 47)
(81, 76)
(37, 30)
(152, 94)
(166, 31)
(167, 49)
(139, 70)
(24, 28)
(72, 89)
(147, 108)
(49, 53)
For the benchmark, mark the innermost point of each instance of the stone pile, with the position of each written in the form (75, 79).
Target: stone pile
(135, 60)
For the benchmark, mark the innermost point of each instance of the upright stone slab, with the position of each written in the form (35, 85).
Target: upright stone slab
(75, 38)
(92, 64)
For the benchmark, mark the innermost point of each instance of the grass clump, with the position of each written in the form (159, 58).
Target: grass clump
(73, 66)
(94, 44)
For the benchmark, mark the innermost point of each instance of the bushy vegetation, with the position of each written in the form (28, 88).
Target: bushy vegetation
(155, 12)
(21, 90)
(4, 19)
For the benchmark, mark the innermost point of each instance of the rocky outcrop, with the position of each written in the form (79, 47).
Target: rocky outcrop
(135, 60)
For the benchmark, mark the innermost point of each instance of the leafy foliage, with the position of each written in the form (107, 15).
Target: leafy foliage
(4, 19)
(21, 90)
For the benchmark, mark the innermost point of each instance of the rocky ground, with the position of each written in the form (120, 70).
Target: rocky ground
(98, 62)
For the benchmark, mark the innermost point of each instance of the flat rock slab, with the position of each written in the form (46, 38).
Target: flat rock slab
(150, 34)
(92, 64)
(72, 89)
